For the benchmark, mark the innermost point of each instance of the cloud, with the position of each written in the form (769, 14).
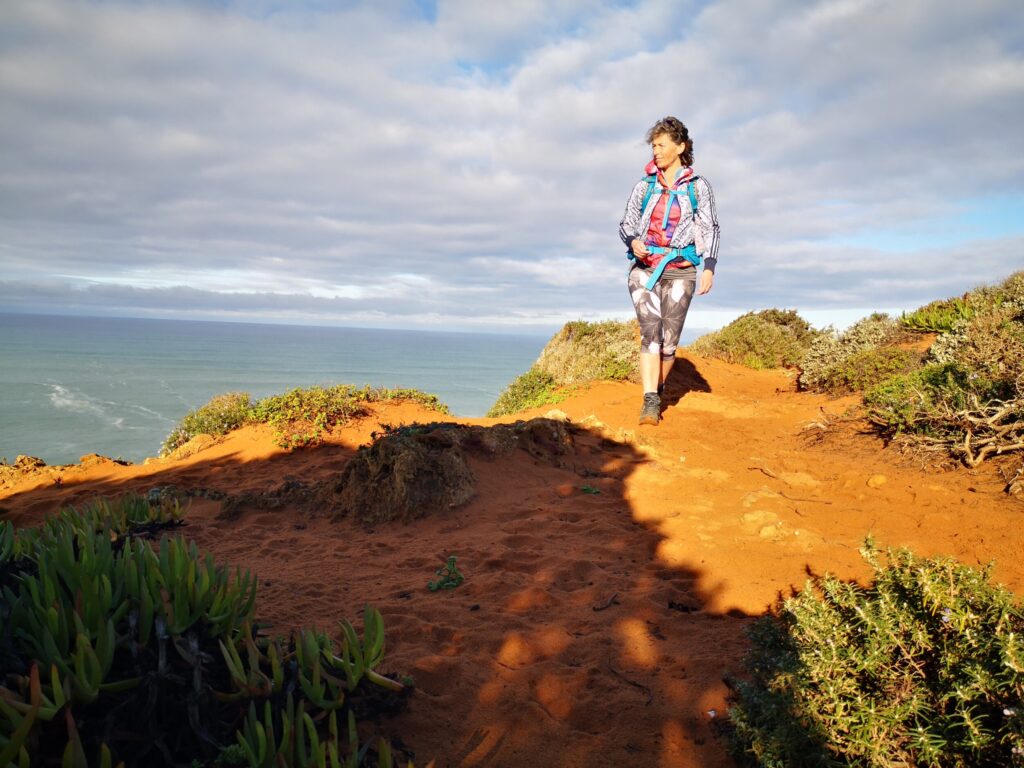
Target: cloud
(409, 163)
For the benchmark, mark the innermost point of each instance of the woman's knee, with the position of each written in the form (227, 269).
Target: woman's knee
(651, 344)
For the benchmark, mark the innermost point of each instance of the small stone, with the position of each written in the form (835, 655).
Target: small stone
(557, 415)
(92, 459)
(877, 481)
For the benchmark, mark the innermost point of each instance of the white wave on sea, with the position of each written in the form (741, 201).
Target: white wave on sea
(78, 402)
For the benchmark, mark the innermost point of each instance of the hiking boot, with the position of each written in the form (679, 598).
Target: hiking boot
(651, 412)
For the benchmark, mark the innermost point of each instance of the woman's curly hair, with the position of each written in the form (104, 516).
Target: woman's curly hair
(673, 128)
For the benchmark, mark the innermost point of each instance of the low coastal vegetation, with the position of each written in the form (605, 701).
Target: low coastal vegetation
(579, 353)
(925, 666)
(121, 650)
(947, 377)
(863, 355)
(771, 338)
(299, 417)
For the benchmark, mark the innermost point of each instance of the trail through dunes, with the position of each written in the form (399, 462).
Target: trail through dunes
(606, 593)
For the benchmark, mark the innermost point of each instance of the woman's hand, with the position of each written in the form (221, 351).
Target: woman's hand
(639, 248)
(707, 278)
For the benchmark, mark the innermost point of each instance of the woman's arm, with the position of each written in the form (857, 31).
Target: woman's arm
(629, 227)
(706, 221)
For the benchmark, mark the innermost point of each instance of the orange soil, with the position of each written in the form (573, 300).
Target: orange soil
(561, 648)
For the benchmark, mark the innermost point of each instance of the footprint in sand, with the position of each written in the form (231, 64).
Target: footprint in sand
(520, 541)
(519, 562)
(579, 573)
(571, 518)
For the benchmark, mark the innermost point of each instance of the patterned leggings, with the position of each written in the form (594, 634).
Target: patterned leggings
(661, 312)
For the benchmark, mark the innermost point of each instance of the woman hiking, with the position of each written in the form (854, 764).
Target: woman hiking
(669, 227)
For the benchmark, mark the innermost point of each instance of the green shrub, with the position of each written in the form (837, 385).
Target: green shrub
(867, 368)
(580, 352)
(118, 650)
(583, 351)
(534, 388)
(945, 315)
(939, 316)
(970, 400)
(923, 667)
(771, 338)
(426, 399)
(789, 318)
(218, 417)
(991, 343)
(1012, 290)
(828, 354)
(920, 401)
(299, 417)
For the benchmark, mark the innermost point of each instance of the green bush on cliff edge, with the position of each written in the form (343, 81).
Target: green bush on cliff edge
(579, 353)
(218, 417)
(299, 417)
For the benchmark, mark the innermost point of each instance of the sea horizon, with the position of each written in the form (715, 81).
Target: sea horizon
(539, 331)
(71, 385)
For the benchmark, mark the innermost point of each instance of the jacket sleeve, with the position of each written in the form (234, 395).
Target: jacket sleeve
(706, 224)
(629, 227)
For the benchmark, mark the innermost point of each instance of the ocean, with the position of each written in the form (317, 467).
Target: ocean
(117, 386)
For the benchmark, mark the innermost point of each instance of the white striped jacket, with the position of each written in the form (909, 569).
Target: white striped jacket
(701, 230)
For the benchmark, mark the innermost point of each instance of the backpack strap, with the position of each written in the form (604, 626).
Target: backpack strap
(652, 182)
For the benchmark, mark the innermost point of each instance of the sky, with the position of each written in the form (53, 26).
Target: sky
(462, 165)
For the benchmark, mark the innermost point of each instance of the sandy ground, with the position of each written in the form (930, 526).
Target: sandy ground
(593, 629)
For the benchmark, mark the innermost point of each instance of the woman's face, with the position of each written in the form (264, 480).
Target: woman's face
(666, 151)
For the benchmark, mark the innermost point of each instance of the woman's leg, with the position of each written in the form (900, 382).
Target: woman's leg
(648, 315)
(650, 364)
(666, 367)
(674, 301)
